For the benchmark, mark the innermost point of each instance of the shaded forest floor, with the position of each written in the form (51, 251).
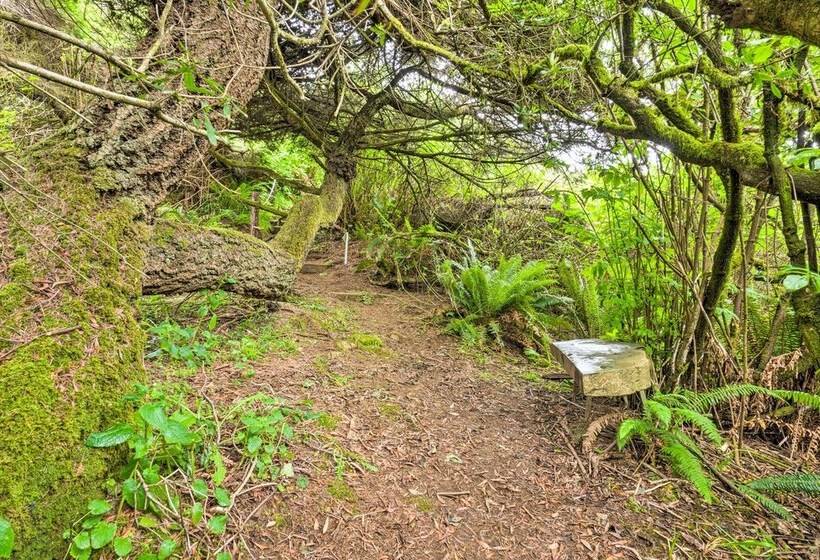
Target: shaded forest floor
(434, 452)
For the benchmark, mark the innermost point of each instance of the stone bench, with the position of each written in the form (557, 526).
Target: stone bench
(604, 369)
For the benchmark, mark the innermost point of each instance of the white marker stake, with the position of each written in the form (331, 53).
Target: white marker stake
(347, 244)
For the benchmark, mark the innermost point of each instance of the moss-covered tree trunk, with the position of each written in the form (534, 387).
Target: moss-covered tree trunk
(804, 301)
(74, 228)
(800, 18)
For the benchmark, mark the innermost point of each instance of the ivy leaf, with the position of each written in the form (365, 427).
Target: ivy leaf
(217, 524)
(6, 538)
(102, 534)
(794, 282)
(112, 436)
(122, 546)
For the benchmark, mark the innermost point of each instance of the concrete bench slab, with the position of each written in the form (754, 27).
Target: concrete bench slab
(604, 369)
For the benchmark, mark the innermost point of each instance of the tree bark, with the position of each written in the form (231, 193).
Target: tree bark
(804, 301)
(78, 218)
(185, 258)
(798, 18)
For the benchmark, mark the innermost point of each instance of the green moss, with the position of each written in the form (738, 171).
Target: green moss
(367, 342)
(422, 503)
(327, 421)
(58, 389)
(390, 410)
(341, 491)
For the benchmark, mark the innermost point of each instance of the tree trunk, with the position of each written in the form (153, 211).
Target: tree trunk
(77, 222)
(804, 301)
(799, 18)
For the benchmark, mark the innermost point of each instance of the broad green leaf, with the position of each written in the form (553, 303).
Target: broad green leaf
(210, 131)
(794, 282)
(200, 488)
(134, 494)
(166, 549)
(174, 432)
(98, 507)
(217, 524)
(82, 540)
(154, 415)
(122, 546)
(112, 436)
(254, 443)
(197, 511)
(102, 534)
(223, 556)
(223, 497)
(6, 538)
(219, 467)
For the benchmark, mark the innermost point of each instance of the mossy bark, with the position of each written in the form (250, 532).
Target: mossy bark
(804, 301)
(55, 389)
(799, 18)
(77, 219)
(309, 215)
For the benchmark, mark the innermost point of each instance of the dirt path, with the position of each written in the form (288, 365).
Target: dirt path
(470, 459)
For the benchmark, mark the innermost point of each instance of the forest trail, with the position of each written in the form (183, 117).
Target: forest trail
(471, 458)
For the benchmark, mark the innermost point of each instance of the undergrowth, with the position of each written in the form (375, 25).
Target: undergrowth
(676, 426)
(188, 465)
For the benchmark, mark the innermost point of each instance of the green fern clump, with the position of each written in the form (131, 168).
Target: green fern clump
(583, 291)
(481, 294)
(668, 419)
(663, 424)
(794, 483)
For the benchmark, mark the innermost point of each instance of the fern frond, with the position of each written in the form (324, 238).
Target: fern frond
(702, 422)
(799, 397)
(687, 465)
(796, 483)
(661, 412)
(765, 501)
(596, 427)
(631, 427)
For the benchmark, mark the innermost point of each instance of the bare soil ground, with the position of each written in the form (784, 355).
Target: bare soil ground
(474, 459)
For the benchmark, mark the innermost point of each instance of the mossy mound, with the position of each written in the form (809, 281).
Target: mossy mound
(72, 346)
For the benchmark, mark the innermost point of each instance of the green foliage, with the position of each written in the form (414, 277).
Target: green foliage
(796, 483)
(584, 292)
(670, 420)
(6, 538)
(760, 489)
(177, 463)
(406, 256)
(664, 424)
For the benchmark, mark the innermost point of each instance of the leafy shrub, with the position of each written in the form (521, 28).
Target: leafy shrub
(407, 256)
(481, 295)
(668, 419)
